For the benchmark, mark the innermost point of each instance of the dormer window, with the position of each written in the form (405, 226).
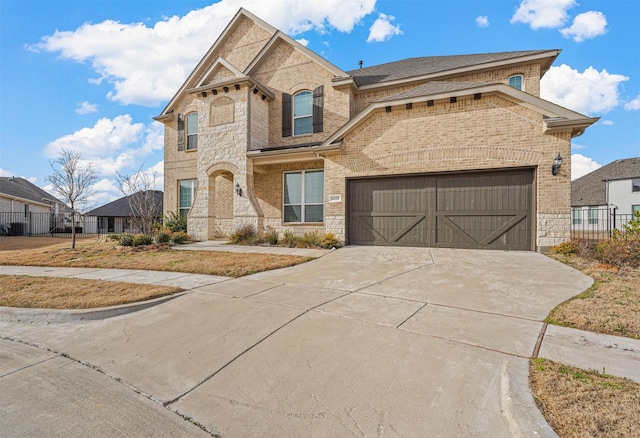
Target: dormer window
(517, 82)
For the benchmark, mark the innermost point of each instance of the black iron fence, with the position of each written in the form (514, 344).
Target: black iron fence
(596, 223)
(47, 224)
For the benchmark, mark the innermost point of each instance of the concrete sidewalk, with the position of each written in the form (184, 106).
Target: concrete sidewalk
(364, 341)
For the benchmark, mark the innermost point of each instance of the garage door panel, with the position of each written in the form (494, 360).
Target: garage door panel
(481, 210)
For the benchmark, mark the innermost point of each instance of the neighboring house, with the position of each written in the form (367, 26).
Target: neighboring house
(118, 217)
(443, 151)
(611, 190)
(27, 209)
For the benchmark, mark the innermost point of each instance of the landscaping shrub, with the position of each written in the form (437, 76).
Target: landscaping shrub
(141, 240)
(289, 239)
(162, 236)
(113, 236)
(312, 239)
(624, 246)
(179, 237)
(566, 248)
(244, 234)
(175, 222)
(329, 241)
(270, 236)
(126, 239)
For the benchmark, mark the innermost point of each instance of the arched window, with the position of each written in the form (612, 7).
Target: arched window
(192, 131)
(303, 113)
(516, 81)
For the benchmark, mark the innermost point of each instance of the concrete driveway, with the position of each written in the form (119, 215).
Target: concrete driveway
(362, 342)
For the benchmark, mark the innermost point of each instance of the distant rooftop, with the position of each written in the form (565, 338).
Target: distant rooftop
(591, 189)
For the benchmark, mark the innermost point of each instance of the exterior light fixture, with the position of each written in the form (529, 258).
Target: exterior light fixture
(238, 190)
(557, 162)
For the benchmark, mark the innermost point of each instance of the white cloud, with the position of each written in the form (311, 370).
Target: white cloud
(590, 92)
(87, 108)
(543, 13)
(382, 29)
(586, 26)
(581, 165)
(482, 21)
(633, 104)
(303, 41)
(111, 144)
(146, 64)
(607, 122)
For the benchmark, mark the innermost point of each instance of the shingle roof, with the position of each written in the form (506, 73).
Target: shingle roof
(435, 87)
(121, 208)
(413, 67)
(591, 189)
(21, 188)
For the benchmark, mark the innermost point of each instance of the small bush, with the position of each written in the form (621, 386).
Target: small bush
(142, 240)
(244, 234)
(329, 241)
(566, 248)
(162, 236)
(175, 222)
(126, 239)
(179, 237)
(113, 236)
(270, 236)
(312, 239)
(289, 239)
(619, 252)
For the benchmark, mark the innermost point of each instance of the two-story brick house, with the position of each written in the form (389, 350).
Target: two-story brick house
(452, 151)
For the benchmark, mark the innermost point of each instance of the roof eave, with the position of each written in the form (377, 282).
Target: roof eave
(550, 55)
(290, 155)
(577, 126)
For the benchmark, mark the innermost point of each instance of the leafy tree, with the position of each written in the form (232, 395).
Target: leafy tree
(72, 180)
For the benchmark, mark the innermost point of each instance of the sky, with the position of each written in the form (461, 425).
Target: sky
(89, 75)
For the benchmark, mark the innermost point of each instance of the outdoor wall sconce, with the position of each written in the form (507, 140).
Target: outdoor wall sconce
(238, 190)
(557, 162)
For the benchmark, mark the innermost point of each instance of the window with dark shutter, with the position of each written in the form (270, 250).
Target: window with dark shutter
(286, 115)
(318, 102)
(180, 132)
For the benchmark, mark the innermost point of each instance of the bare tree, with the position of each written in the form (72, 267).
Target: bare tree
(142, 197)
(72, 180)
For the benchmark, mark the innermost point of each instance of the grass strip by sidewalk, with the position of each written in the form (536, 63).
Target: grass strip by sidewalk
(579, 403)
(73, 293)
(109, 254)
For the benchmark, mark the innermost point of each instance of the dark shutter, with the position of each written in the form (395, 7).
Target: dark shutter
(318, 102)
(286, 115)
(180, 132)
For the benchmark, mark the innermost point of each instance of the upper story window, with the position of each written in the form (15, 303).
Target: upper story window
(302, 113)
(516, 81)
(635, 185)
(192, 131)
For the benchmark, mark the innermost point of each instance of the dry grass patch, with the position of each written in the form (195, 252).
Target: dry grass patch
(611, 306)
(109, 254)
(8, 243)
(579, 403)
(72, 293)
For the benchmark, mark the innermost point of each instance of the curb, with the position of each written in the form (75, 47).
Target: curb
(51, 316)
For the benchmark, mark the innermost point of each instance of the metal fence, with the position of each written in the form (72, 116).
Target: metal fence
(47, 224)
(596, 223)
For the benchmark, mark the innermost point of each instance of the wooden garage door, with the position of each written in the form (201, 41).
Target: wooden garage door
(478, 210)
